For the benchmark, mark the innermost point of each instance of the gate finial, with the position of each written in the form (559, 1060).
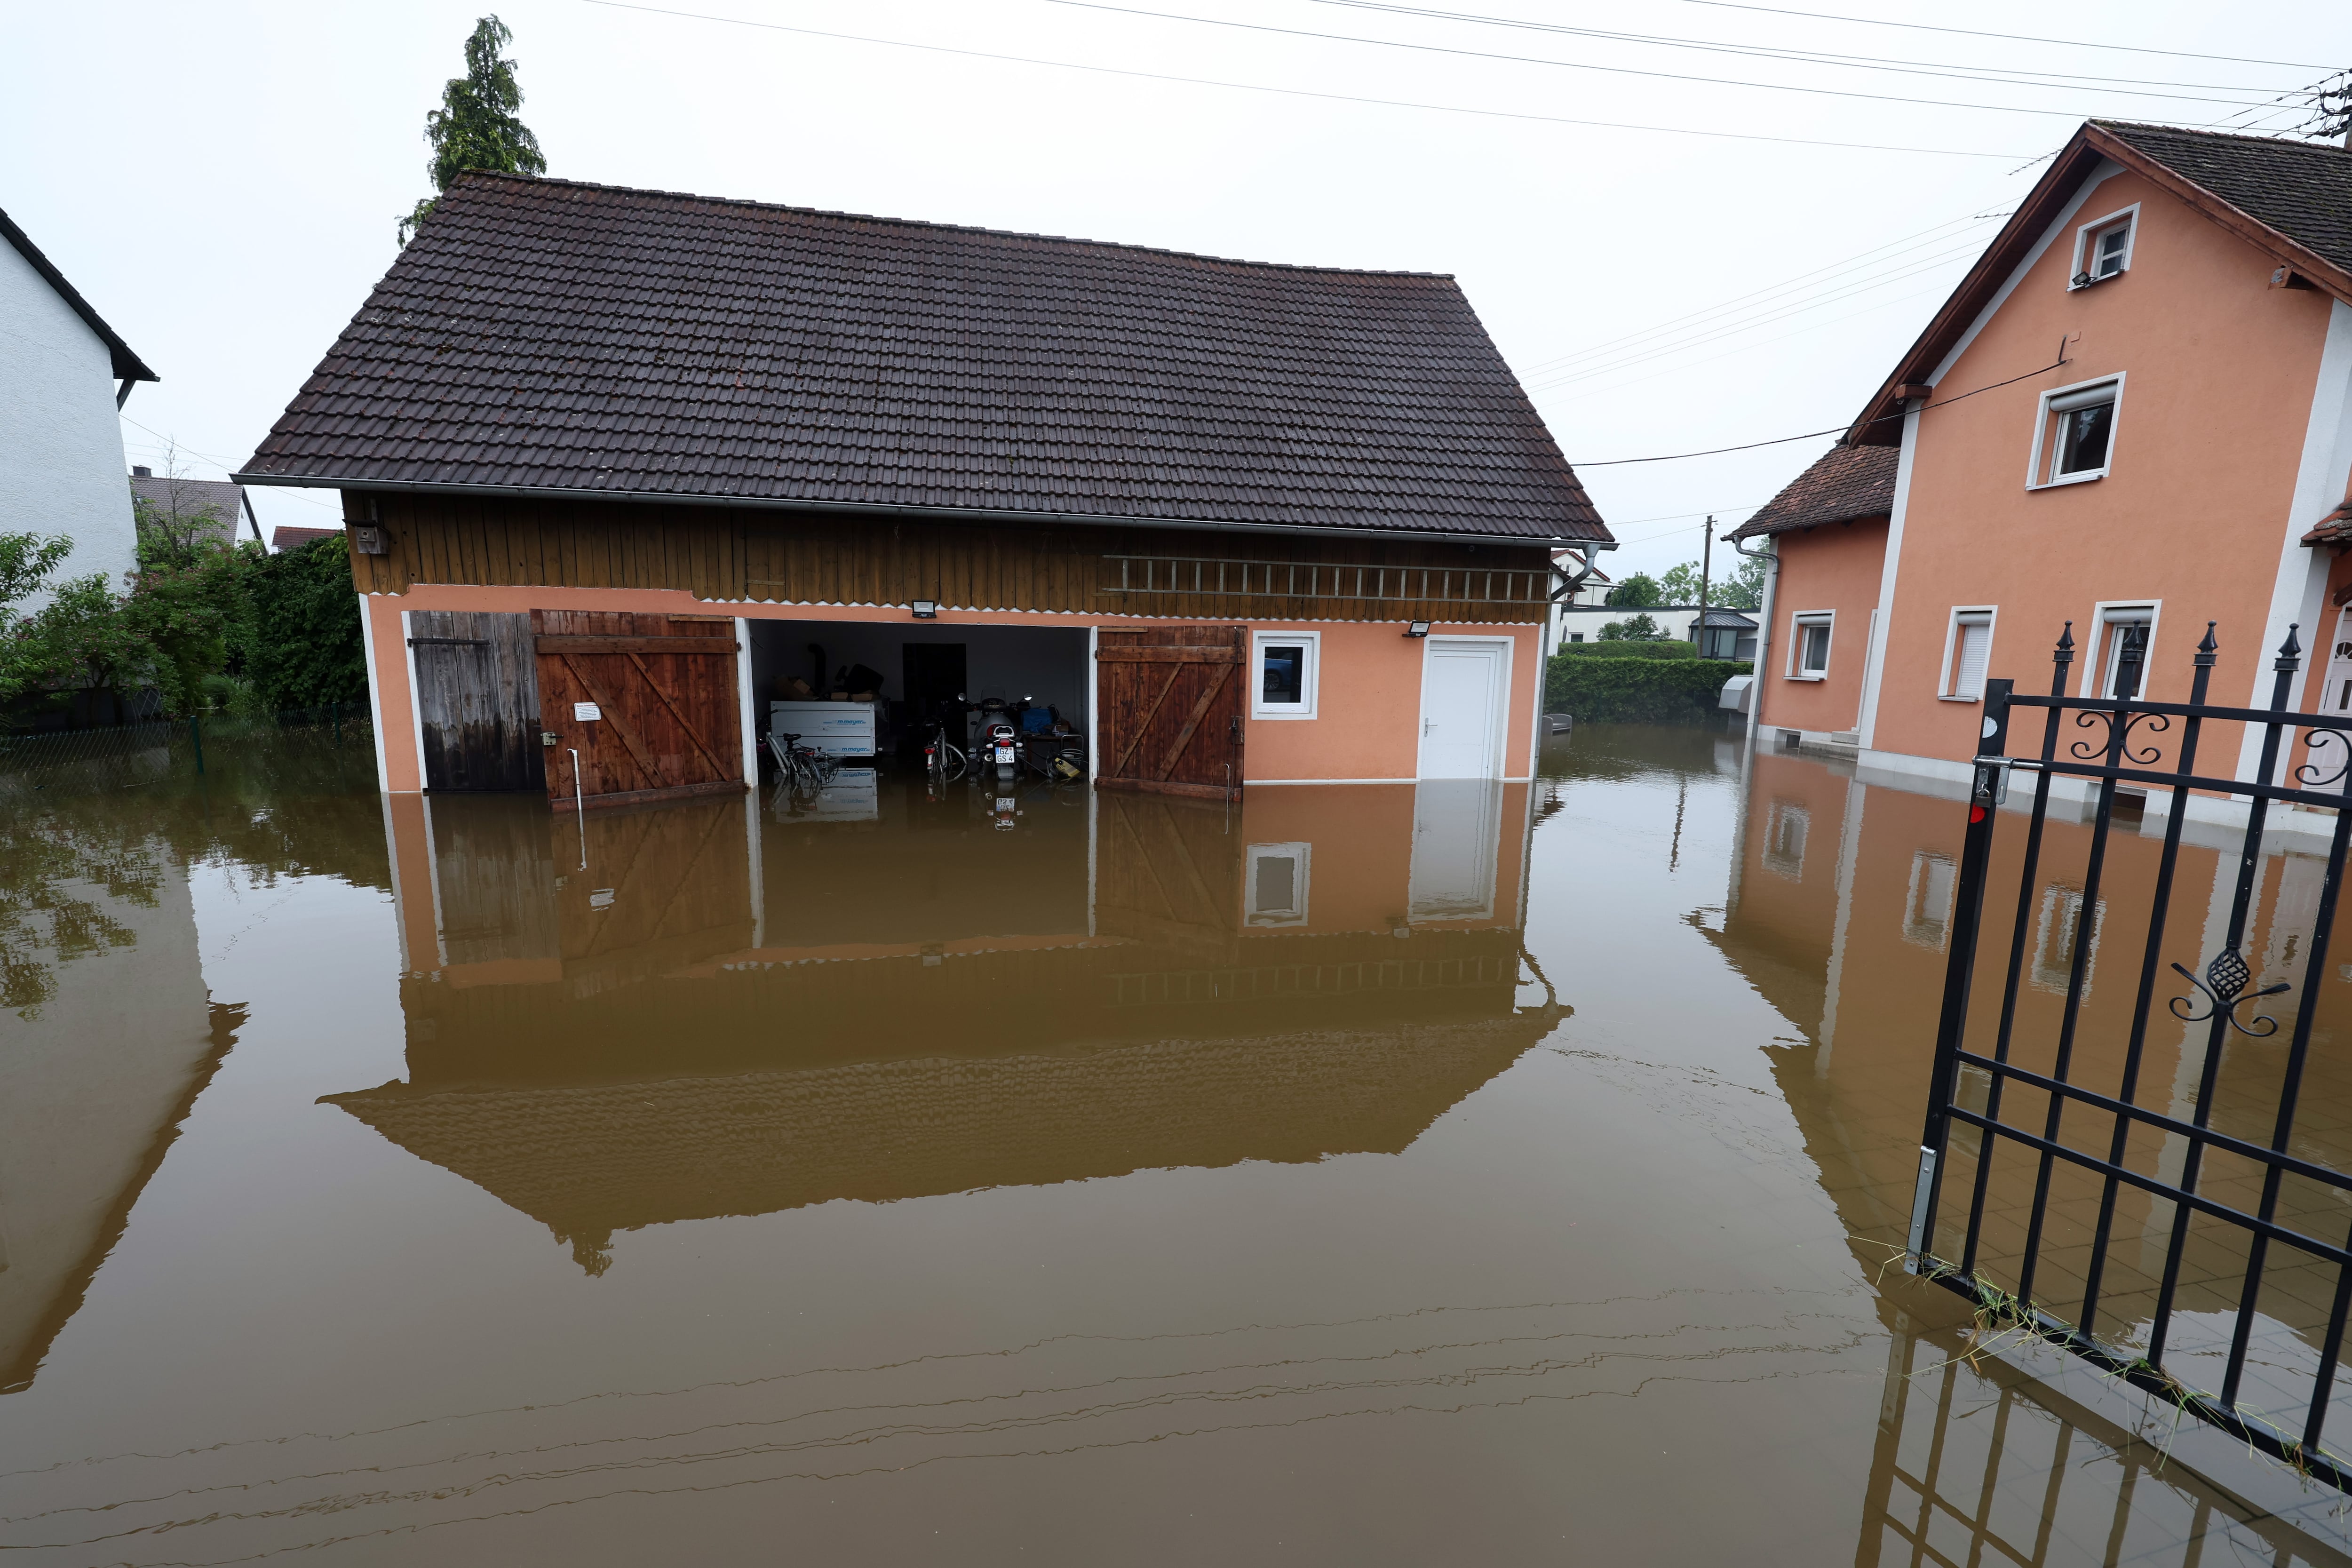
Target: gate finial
(2208, 650)
(2290, 653)
(2064, 653)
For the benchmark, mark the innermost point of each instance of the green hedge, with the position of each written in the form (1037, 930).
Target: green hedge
(1640, 689)
(1670, 649)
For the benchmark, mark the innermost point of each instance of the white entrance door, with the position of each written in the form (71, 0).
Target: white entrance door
(1463, 681)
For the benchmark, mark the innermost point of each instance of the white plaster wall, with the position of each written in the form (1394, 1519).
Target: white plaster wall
(61, 463)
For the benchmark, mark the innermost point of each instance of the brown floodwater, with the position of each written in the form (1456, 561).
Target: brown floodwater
(1368, 1174)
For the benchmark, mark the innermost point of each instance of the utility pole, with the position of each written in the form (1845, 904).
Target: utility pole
(1705, 559)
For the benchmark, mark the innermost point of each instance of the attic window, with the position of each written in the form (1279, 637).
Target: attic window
(2103, 249)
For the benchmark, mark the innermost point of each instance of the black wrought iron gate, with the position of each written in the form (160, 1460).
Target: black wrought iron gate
(2182, 1230)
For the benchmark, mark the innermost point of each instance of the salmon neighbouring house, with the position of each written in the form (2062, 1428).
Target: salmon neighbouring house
(622, 465)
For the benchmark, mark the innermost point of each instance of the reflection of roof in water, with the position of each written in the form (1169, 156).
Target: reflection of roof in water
(590, 1159)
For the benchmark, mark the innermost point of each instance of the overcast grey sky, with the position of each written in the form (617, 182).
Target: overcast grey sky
(222, 179)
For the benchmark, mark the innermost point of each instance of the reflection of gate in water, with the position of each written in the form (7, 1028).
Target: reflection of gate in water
(2193, 1244)
(1963, 1473)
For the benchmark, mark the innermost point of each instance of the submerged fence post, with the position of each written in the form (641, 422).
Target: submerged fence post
(197, 734)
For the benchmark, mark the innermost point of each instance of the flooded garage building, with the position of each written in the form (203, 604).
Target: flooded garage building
(631, 477)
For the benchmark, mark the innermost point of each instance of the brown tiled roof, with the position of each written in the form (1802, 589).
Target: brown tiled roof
(2302, 190)
(286, 536)
(1844, 485)
(2335, 528)
(546, 336)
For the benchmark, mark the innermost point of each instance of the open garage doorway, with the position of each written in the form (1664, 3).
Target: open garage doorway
(903, 676)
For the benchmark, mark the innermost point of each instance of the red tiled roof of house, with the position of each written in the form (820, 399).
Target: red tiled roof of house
(2335, 528)
(1844, 484)
(286, 536)
(548, 336)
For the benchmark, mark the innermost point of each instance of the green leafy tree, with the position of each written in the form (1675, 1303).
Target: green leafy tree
(1638, 592)
(476, 127)
(1680, 586)
(1634, 628)
(1741, 588)
(304, 647)
(27, 560)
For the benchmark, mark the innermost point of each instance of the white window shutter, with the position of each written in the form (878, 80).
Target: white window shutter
(1969, 663)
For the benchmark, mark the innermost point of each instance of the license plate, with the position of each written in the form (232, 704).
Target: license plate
(1004, 754)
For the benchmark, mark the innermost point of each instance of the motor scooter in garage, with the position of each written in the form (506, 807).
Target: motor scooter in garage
(998, 742)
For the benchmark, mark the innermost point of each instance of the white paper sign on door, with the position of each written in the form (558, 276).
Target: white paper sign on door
(586, 711)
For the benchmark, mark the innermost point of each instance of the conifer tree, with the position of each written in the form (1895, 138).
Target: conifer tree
(476, 126)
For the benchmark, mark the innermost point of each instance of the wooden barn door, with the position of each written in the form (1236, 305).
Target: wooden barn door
(1170, 709)
(476, 700)
(647, 701)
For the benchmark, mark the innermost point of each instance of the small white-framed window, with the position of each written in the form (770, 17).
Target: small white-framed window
(2119, 662)
(2103, 248)
(1285, 669)
(1275, 884)
(2074, 433)
(1809, 643)
(1968, 649)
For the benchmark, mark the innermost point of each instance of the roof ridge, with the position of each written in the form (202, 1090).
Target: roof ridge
(486, 174)
(2205, 134)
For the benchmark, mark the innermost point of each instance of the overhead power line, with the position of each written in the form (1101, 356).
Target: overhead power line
(1631, 71)
(1809, 434)
(1760, 314)
(2013, 37)
(1929, 236)
(1784, 52)
(1293, 91)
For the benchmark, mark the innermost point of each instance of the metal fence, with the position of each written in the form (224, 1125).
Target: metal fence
(127, 756)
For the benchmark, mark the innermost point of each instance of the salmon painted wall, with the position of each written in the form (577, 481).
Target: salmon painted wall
(1368, 709)
(1836, 568)
(2218, 375)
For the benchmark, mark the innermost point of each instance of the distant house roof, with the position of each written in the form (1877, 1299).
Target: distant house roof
(2290, 200)
(1844, 484)
(1721, 618)
(286, 536)
(2335, 528)
(128, 366)
(192, 499)
(544, 336)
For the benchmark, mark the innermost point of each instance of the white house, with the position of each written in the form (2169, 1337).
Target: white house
(59, 364)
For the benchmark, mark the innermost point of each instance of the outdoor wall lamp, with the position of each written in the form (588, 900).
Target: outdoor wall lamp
(926, 609)
(1416, 628)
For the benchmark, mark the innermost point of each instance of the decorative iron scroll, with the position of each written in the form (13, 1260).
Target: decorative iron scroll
(2312, 775)
(2225, 979)
(2145, 757)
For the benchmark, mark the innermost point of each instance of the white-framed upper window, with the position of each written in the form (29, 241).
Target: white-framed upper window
(1285, 669)
(1809, 643)
(1968, 649)
(2103, 248)
(2074, 433)
(1275, 884)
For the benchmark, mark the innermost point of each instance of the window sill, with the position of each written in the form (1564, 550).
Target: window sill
(1951, 699)
(1281, 713)
(1824, 676)
(2069, 480)
(2074, 288)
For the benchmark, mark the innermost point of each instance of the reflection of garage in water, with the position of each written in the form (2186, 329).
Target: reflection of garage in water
(687, 1010)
